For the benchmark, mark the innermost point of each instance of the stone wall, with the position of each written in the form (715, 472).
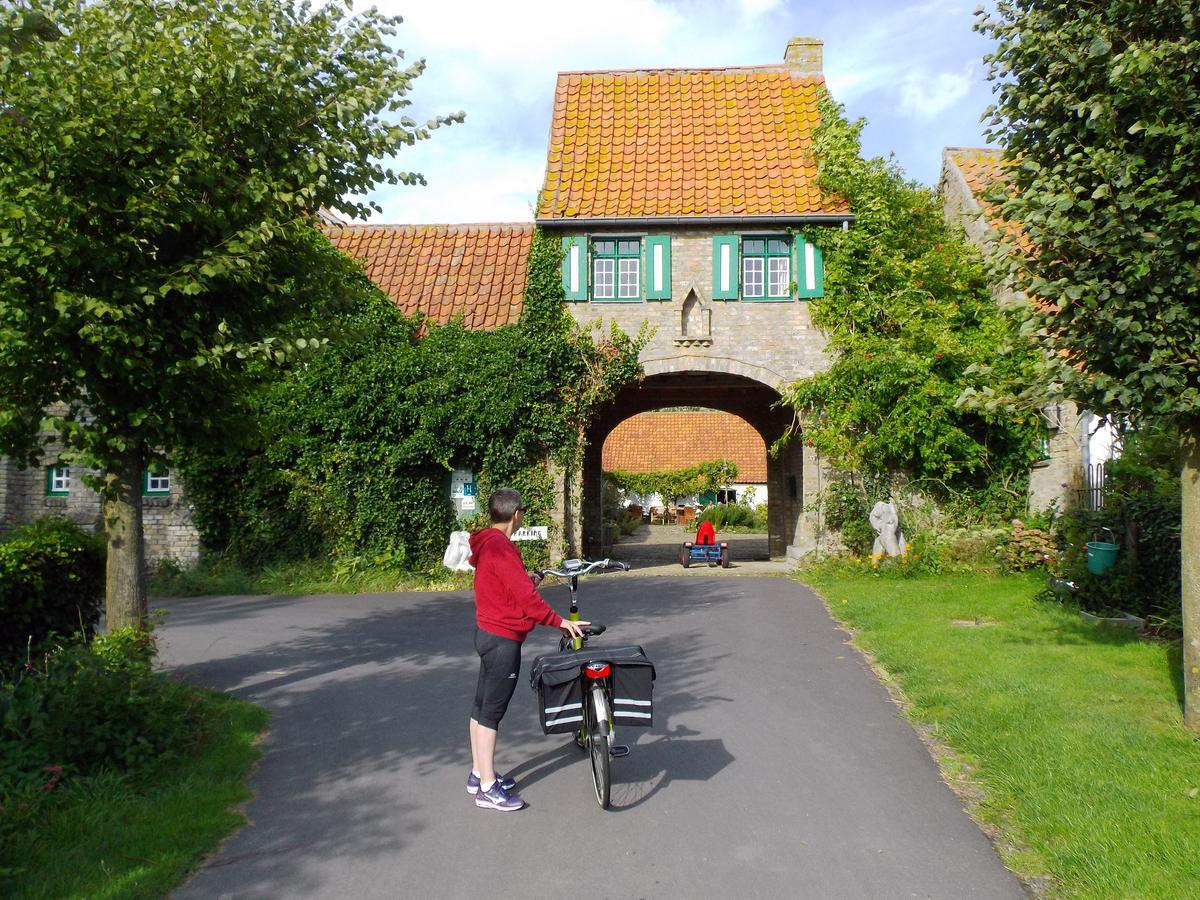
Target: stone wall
(166, 519)
(772, 341)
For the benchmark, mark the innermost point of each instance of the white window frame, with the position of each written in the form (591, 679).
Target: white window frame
(59, 480)
(158, 482)
(767, 263)
(620, 277)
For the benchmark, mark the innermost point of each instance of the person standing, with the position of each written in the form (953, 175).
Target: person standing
(507, 607)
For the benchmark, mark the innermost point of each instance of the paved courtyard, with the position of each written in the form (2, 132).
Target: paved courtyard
(777, 766)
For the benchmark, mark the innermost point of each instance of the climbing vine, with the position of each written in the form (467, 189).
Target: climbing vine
(912, 324)
(352, 452)
(699, 479)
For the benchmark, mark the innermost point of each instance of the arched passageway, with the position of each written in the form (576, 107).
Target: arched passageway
(743, 396)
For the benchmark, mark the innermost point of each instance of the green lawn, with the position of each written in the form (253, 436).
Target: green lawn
(1071, 734)
(296, 578)
(123, 837)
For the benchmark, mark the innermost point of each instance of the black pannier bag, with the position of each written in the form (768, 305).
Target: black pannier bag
(632, 686)
(557, 680)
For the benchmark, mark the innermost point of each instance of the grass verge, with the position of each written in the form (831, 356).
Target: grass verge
(126, 836)
(1067, 738)
(294, 578)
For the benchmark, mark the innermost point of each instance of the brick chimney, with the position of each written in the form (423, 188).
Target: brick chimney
(803, 57)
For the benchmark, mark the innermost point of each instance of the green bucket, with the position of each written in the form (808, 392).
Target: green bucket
(1101, 556)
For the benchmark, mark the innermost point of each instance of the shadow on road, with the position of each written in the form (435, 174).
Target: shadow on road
(375, 690)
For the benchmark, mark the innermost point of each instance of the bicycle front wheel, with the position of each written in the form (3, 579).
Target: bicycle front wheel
(599, 745)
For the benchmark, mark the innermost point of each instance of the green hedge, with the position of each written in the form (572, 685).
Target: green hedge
(733, 515)
(51, 582)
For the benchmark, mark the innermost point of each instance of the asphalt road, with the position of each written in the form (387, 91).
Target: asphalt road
(777, 765)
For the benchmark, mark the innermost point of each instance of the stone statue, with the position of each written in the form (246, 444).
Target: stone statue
(888, 537)
(458, 552)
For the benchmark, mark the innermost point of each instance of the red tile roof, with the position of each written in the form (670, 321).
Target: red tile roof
(982, 168)
(661, 441)
(477, 271)
(683, 143)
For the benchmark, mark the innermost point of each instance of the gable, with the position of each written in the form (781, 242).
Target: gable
(978, 170)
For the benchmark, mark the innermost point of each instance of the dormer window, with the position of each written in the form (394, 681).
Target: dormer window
(616, 269)
(766, 268)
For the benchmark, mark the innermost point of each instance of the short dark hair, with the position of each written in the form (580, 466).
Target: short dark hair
(503, 504)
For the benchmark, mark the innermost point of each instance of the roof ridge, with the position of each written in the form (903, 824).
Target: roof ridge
(779, 68)
(397, 225)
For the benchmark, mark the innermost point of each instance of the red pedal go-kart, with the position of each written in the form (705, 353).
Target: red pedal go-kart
(705, 549)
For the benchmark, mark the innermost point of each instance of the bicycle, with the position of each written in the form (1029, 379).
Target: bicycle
(588, 691)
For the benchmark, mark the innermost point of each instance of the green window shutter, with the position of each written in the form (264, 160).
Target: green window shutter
(725, 268)
(809, 268)
(575, 267)
(658, 267)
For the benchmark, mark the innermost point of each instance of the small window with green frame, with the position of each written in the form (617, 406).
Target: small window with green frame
(157, 482)
(58, 481)
(616, 269)
(766, 268)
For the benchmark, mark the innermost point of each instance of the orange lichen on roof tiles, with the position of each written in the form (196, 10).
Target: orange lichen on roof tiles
(684, 142)
(443, 271)
(982, 169)
(662, 441)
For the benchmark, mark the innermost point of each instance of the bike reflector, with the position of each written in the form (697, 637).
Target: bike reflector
(597, 670)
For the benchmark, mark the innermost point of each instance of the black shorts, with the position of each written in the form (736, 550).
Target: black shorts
(499, 668)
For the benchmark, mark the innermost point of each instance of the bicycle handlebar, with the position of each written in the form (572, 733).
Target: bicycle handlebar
(573, 567)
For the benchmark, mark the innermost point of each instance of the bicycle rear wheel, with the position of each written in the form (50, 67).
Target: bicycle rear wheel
(599, 746)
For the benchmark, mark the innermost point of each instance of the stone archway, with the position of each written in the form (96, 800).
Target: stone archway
(729, 385)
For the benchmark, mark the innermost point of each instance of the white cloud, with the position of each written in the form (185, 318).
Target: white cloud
(926, 96)
(498, 62)
(758, 7)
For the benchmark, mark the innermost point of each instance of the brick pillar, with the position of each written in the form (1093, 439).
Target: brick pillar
(566, 540)
(592, 503)
(810, 530)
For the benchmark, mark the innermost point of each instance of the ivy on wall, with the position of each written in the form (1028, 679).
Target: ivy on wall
(352, 452)
(912, 325)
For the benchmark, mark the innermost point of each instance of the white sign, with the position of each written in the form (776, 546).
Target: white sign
(532, 533)
(462, 483)
(466, 504)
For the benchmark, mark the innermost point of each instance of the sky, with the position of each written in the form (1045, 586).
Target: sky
(914, 70)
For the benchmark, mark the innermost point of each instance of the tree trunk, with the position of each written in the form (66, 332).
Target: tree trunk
(1190, 558)
(125, 577)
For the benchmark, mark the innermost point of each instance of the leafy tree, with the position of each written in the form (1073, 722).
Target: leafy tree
(160, 168)
(911, 322)
(1097, 107)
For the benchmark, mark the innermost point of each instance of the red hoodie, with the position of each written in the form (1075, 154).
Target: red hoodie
(506, 602)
